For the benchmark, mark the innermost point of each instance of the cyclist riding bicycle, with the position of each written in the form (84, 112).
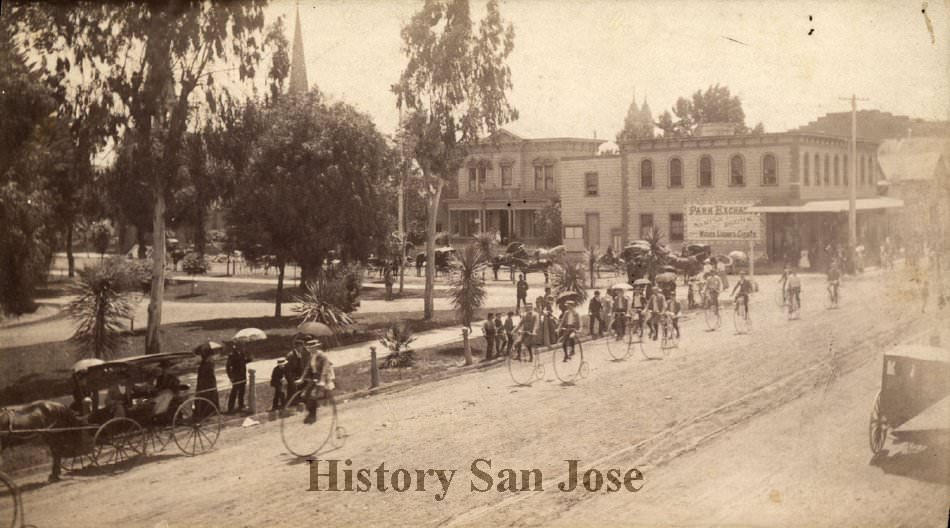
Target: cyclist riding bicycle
(315, 377)
(568, 326)
(834, 279)
(712, 288)
(621, 306)
(656, 306)
(783, 280)
(744, 287)
(673, 310)
(794, 293)
(637, 308)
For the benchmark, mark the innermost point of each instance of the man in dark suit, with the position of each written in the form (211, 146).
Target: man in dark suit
(593, 312)
(237, 373)
(277, 383)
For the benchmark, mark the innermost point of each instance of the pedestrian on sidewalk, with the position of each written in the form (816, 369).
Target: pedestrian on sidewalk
(521, 290)
(499, 335)
(593, 313)
(420, 261)
(509, 333)
(294, 367)
(207, 384)
(237, 373)
(277, 382)
(488, 329)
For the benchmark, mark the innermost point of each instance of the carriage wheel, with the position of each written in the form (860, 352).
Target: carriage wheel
(522, 370)
(11, 506)
(877, 427)
(304, 439)
(196, 425)
(157, 439)
(79, 462)
(568, 371)
(118, 441)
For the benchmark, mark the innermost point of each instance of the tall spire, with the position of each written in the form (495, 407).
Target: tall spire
(646, 118)
(298, 66)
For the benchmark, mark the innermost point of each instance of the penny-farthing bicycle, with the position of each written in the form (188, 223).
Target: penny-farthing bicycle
(525, 367)
(572, 368)
(668, 338)
(740, 316)
(304, 438)
(712, 314)
(794, 308)
(621, 346)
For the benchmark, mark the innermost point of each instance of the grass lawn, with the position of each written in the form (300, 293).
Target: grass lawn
(48, 364)
(181, 289)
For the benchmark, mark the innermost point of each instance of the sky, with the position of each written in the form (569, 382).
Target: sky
(576, 65)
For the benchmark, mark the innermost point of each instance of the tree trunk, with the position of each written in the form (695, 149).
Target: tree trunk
(467, 347)
(153, 344)
(402, 265)
(281, 264)
(200, 239)
(70, 258)
(432, 213)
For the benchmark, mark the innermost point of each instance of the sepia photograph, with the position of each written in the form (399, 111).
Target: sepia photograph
(474, 263)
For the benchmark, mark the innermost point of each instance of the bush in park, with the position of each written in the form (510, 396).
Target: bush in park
(194, 264)
(104, 296)
(467, 290)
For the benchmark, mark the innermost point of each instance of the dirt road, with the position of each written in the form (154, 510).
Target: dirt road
(648, 414)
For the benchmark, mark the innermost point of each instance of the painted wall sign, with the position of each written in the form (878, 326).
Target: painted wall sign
(723, 221)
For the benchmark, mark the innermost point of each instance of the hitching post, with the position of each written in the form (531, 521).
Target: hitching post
(251, 391)
(373, 369)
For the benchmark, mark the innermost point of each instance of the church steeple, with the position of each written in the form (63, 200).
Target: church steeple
(298, 65)
(646, 119)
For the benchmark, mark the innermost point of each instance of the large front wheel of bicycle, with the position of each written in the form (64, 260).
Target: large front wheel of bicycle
(303, 437)
(740, 318)
(196, 426)
(619, 346)
(877, 427)
(712, 317)
(669, 340)
(568, 370)
(522, 366)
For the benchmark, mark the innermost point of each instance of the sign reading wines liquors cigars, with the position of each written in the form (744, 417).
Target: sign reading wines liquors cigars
(723, 222)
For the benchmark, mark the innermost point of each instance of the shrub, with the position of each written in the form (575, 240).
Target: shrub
(103, 299)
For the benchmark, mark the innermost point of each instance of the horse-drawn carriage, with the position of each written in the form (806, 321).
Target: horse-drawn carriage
(914, 401)
(145, 410)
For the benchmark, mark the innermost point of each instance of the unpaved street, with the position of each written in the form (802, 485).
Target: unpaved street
(708, 426)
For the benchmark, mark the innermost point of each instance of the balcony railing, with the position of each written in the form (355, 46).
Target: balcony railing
(505, 193)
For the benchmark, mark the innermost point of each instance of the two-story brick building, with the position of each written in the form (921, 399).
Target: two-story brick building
(785, 192)
(506, 180)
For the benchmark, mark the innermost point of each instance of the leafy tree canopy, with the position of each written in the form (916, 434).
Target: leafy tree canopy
(714, 105)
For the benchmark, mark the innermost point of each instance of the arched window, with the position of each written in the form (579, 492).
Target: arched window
(817, 169)
(705, 172)
(676, 172)
(844, 166)
(769, 176)
(737, 170)
(805, 176)
(837, 170)
(827, 170)
(646, 174)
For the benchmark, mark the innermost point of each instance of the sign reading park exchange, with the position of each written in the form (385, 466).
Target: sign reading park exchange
(723, 221)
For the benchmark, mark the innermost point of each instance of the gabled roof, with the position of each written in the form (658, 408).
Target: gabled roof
(914, 158)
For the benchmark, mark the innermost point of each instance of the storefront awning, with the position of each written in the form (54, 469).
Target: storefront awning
(830, 206)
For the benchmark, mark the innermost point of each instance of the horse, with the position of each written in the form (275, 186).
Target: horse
(33, 419)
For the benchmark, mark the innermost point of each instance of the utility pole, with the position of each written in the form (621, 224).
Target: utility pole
(400, 194)
(852, 181)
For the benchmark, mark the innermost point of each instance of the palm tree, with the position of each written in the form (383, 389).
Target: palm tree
(467, 291)
(397, 339)
(103, 299)
(326, 301)
(568, 276)
(656, 256)
(485, 243)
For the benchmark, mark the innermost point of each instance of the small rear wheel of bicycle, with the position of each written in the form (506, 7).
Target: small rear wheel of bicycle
(521, 367)
(568, 369)
(740, 317)
(303, 437)
(713, 317)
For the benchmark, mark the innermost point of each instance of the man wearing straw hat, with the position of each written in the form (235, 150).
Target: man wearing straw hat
(314, 377)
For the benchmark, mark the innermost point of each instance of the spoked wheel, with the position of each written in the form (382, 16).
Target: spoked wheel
(521, 368)
(619, 346)
(157, 439)
(713, 317)
(196, 425)
(301, 438)
(570, 370)
(877, 427)
(669, 340)
(780, 297)
(120, 441)
(740, 318)
(11, 509)
(794, 308)
(78, 463)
